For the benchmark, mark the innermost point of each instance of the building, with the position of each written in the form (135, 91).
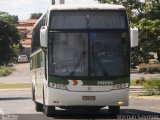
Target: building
(25, 28)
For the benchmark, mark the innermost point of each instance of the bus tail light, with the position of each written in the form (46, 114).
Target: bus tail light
(57, 86)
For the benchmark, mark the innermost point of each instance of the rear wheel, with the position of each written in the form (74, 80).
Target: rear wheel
(114, 110)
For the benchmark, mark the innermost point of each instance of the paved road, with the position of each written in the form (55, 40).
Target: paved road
(21, 75)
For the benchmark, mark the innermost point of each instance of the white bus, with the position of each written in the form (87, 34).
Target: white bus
(81, 57)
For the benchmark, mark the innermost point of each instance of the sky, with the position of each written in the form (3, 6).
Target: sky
(23, 8)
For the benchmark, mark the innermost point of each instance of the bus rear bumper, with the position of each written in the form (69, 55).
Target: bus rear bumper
(58, 97)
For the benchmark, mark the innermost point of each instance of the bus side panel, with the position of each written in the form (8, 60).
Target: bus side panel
(37, 71)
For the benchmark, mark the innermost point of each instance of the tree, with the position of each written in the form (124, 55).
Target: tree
(35, 15)
(149, 24)
(146, 17)
(150, 31)
(9, 37)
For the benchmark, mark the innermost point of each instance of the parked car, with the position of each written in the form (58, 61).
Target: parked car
(22, 58)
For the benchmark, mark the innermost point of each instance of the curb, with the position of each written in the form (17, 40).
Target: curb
(145, 97)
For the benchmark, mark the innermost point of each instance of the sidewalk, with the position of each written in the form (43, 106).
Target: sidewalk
(145, 97)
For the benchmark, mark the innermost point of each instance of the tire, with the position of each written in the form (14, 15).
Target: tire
(114, 110)
(38, 107)
(49, 111)
(92, 108)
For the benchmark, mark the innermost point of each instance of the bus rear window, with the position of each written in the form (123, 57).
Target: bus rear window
(88, 20)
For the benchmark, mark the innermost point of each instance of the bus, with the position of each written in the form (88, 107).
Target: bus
(81, 57)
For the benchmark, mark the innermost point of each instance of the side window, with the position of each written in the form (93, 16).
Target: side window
(36, 34)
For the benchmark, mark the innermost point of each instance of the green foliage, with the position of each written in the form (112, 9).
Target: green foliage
(35, 15)
(146, 17)
(15, 49)
(5, 71)
(9, 36)
(132, 83)
(152, 86)
(149, 31)
(9, 18)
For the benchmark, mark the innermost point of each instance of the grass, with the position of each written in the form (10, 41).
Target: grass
(15, 86)
(133, 83)
(5, 71)
(138, 82)
(152, 85)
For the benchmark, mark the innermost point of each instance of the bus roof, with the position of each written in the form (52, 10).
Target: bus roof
(86, 6)
(82, 6)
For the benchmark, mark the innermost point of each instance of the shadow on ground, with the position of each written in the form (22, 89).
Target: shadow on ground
(102, 114)
(15, 98)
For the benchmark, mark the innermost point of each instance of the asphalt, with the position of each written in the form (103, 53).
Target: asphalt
(20, 75)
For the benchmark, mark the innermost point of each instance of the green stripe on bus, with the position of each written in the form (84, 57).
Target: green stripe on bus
(63, 81)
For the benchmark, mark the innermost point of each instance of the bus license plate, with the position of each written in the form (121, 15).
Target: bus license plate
(88, 97)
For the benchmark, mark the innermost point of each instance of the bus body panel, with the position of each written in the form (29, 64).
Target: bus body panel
(38, 84)
(65, 98)
(38, 74)
(86, 7)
